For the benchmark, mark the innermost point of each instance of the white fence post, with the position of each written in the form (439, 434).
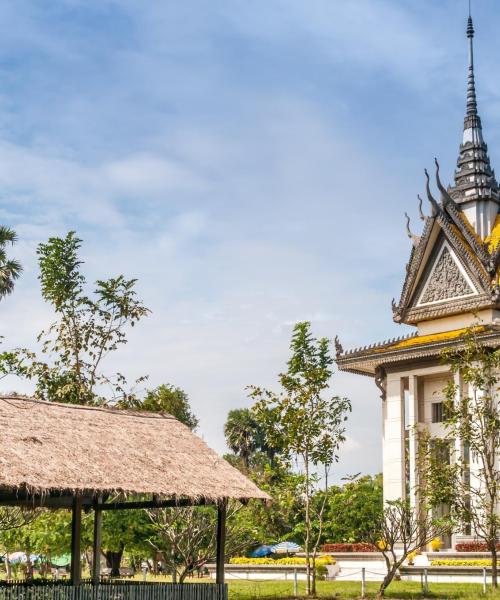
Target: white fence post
(484, 580)
(295, 583)
(363, 582)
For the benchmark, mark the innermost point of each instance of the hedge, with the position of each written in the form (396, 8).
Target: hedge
(473, 547)
(289, 560)
(461, 563)
(359, 547)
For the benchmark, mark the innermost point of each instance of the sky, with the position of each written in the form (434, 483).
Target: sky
(250, 163)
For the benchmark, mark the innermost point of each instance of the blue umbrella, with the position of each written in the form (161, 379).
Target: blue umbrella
(286, 547)
(261, 551)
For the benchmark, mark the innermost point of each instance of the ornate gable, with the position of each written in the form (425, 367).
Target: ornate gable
(451, 270)
(446, 280)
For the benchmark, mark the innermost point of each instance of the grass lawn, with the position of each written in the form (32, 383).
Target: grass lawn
(246, 590)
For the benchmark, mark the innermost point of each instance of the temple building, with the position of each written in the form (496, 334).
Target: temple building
(451, 283)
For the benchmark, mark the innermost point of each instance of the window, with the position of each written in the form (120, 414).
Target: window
(437, 412)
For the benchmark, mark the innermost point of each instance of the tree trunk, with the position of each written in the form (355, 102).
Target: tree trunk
(113, 561)
(387, 580)
(29, 564)
(494, 564)
(8, 567)
(313, 578)
(308, 527)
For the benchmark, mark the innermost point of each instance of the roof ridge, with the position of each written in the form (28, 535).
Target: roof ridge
(107, 409)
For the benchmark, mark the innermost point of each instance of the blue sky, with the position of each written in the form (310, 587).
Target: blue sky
(249, 162)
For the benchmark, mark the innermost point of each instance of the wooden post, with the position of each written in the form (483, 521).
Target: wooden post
(221, 541)
(76, 537)
(96, 547)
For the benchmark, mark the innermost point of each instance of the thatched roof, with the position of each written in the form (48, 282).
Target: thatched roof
(48, 447)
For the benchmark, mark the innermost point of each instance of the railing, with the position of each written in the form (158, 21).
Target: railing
(112, 590)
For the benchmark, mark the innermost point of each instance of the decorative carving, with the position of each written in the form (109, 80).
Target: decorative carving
(414, 238)
(381, 382)
(420, 201)
(446, 281)
(338, 346)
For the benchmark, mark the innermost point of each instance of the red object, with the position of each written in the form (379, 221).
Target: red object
(473, 547)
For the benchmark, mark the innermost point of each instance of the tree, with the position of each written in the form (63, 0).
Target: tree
(186, 537)
(69, 368)
(306, 425)
(401, 530)
(14, 523)
(87, 329)
(172, 400)
(10, 269)
(124, 529)
(352, 509)
(462, 469)
(244, 434)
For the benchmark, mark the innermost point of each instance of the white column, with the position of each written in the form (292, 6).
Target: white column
(413, 433)
(393, 447)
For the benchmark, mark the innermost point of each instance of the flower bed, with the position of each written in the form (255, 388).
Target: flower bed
(359, 547)
(473, 547)
(461, 563)
(288, 560)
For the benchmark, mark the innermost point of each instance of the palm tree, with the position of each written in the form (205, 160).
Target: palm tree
(243, 434)
(11, 269)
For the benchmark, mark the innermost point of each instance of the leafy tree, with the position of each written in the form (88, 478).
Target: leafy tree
(466, 476)
(10, 269)
(244, 434)
(169, 399)
(128, 529)
(352, 509)
(306, 425)
(401, 530)
(186, 537)
(87, 329)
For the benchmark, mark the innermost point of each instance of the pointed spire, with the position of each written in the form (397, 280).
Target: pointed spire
(474, 178)
(471, 86)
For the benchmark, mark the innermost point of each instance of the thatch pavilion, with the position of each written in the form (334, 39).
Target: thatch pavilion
(86, 458)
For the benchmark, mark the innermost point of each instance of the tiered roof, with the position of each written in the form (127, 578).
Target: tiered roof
(369, 359)
(454, 265)
(474, 177)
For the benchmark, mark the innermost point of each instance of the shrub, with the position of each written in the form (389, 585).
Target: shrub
(359, 547)
(473, 547)
(411, 557)
(461, 563)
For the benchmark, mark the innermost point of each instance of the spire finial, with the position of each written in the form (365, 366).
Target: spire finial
(471, 87)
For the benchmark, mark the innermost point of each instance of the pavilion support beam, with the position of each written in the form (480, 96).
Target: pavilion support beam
(76, 539)
(221, 541)
(96, 562)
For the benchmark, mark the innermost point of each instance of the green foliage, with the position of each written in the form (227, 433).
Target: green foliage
(244, 434)
(352, 509)
(277, 520)
(473, 417)
(306, 424)
(10, 269)
(87, 329)
(186, 537)
(167, 398)
(300, 420)
(126, 529)
(46, 532)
